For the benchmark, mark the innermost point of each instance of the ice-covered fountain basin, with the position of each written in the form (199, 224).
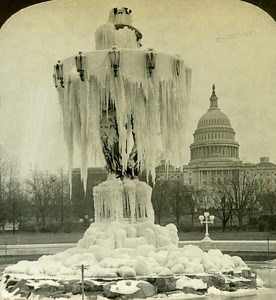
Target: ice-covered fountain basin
(126, 250)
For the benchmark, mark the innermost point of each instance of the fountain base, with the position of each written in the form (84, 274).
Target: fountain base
(143, 287)
(113, 253)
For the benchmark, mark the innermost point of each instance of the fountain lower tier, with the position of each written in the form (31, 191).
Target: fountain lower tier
(113, 250)
(125, 243)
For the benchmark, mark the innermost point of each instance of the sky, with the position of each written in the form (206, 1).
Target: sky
(226, 42)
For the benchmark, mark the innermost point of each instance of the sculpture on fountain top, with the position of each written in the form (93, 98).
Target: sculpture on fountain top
(118, 31)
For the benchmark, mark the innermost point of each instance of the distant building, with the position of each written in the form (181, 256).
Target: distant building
(214, 154)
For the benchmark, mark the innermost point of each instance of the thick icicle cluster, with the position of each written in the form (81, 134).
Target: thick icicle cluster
(150, 106)
(113, 250)
(123, 200)
(107, 36)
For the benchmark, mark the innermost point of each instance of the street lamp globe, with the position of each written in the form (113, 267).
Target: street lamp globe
(212, 218)
(201, 218)
(206, 214)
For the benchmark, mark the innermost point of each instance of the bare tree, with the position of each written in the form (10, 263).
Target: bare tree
(3, 181)
(13, 193)
(160, 194)
(178, 197)
(268, 202)
(239, 195)
(223, 208)
(61, 195)
(39, 188)
(191, 203)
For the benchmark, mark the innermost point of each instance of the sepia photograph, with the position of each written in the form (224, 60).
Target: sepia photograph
(138, 149)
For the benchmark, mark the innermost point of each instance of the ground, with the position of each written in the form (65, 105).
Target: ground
(48, 238)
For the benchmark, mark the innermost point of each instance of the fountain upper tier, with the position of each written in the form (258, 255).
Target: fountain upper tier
(123, 105)
(118, 31)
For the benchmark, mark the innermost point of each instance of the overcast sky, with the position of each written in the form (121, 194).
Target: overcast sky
(226, 42)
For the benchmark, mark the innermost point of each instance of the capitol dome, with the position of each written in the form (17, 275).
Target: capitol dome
(214, 138)
(213, 117)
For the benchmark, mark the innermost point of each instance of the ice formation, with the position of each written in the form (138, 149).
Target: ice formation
(114, 250)
(128, 101)
(123, 200)
(108, 34)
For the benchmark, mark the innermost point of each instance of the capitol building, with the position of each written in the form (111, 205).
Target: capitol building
(214, 154)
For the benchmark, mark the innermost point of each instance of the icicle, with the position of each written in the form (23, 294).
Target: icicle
(126, 38)
(105, 36)
(70, 166)
(143, 200)
(188, 81)
(118, 95)
(93, 124)
(130, 192)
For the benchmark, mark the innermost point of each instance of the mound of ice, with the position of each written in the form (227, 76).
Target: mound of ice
(113, 250)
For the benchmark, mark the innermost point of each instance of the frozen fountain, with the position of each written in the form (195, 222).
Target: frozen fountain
(121, 104)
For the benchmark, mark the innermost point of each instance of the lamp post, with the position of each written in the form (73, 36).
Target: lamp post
(114, 54)
(80, 61)
(206, 219)
(150, 60)
(58, 74)
(86, 221)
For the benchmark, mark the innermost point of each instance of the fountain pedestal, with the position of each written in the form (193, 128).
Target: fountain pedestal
(127, 200)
